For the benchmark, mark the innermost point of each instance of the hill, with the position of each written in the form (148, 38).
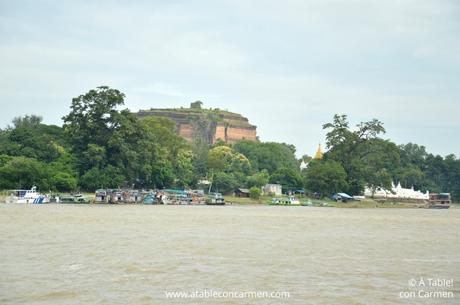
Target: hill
(209, 124)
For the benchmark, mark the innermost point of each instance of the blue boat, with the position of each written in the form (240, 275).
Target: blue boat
(150, 199)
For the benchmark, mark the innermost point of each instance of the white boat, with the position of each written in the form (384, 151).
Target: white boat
(291, 200)
(27, 196)
(294, 201)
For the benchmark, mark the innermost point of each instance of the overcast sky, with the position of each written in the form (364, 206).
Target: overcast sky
(288, 66)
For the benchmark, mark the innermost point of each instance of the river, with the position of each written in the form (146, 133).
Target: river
(124, 254)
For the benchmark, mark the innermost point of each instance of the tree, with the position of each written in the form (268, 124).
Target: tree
(108, 177)
(91, 124)
(171, 158)
(93, 118)
(225, 159)
(255, 192)
(361, 153)
(268, 156)
(288, 178)
(63, 182)
(224, 182)
(200, 150)
(183, 169)
(325, 177)
(451, 179)
(258, 179)
(412, 154)
(409, 176)
(30, 138)
(107, 141)
(23, 173)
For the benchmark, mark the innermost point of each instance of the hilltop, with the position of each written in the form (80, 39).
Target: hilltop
(209, 124)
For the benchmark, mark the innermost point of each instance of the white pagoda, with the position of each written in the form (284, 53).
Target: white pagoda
(397, 192)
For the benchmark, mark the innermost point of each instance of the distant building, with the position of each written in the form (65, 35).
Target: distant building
(319, 153)
(397, 192)
(274, 189)
(208, 125)
(303, 165)
(318, 156)
(242, 192)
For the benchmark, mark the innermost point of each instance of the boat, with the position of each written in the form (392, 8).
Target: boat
(150, 198)
(291, 200)
(176, 196)
(76, 198)
(215, 199)
(342, 197)
(101, 196)
(439, 201)
(438, 206)
(27, 196)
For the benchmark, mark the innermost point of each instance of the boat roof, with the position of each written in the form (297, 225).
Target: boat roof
(345, 195)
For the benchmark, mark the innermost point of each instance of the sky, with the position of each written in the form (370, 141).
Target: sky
(288, 66)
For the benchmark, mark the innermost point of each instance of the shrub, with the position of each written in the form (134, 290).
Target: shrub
(255, 192)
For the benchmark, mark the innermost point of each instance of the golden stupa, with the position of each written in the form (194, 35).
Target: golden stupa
(319, 153)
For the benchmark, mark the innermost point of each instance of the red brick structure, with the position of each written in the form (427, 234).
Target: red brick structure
(212, 125)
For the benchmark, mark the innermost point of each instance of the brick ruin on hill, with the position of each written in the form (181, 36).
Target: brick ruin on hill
(208, 124)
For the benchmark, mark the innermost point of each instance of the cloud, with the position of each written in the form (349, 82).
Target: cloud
(289, 66)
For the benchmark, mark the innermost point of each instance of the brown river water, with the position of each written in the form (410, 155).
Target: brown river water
(123, 254)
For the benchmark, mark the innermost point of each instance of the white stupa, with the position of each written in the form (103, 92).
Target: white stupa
(397, 192)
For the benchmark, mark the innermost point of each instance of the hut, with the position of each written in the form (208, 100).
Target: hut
(240, 192)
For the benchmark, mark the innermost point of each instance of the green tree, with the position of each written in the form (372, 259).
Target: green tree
(171, 156)
(361, 153)
(258, 179)
(23, 173)
(183, 168)
(108, 141)
(409, 176)
(224, 182)
(108, 177)
(413, 154)
(255, 192)
(91, 124)
(288, 178)
(451, 181)
(200, 150)
(64, 182)
(30, 138)
(225, 159)
(268, 156)
(325, 177)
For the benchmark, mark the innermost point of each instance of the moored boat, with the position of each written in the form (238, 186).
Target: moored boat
(150, 198)
(291, 200)
(439, 201)
(76, 198)
(215, 199)
(27, 196)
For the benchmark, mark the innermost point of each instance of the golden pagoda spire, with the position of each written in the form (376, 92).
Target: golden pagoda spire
(319, 152)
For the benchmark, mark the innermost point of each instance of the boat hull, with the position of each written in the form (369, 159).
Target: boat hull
(439, 206)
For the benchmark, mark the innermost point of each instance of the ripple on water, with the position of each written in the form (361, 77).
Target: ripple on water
(133, 254)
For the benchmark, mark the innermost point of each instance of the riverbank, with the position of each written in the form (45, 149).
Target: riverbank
(367, 203)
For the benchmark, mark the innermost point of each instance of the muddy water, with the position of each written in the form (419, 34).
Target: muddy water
(90, 254)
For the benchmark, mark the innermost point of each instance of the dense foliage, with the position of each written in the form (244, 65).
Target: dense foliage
(359, 158)
(101, 145)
